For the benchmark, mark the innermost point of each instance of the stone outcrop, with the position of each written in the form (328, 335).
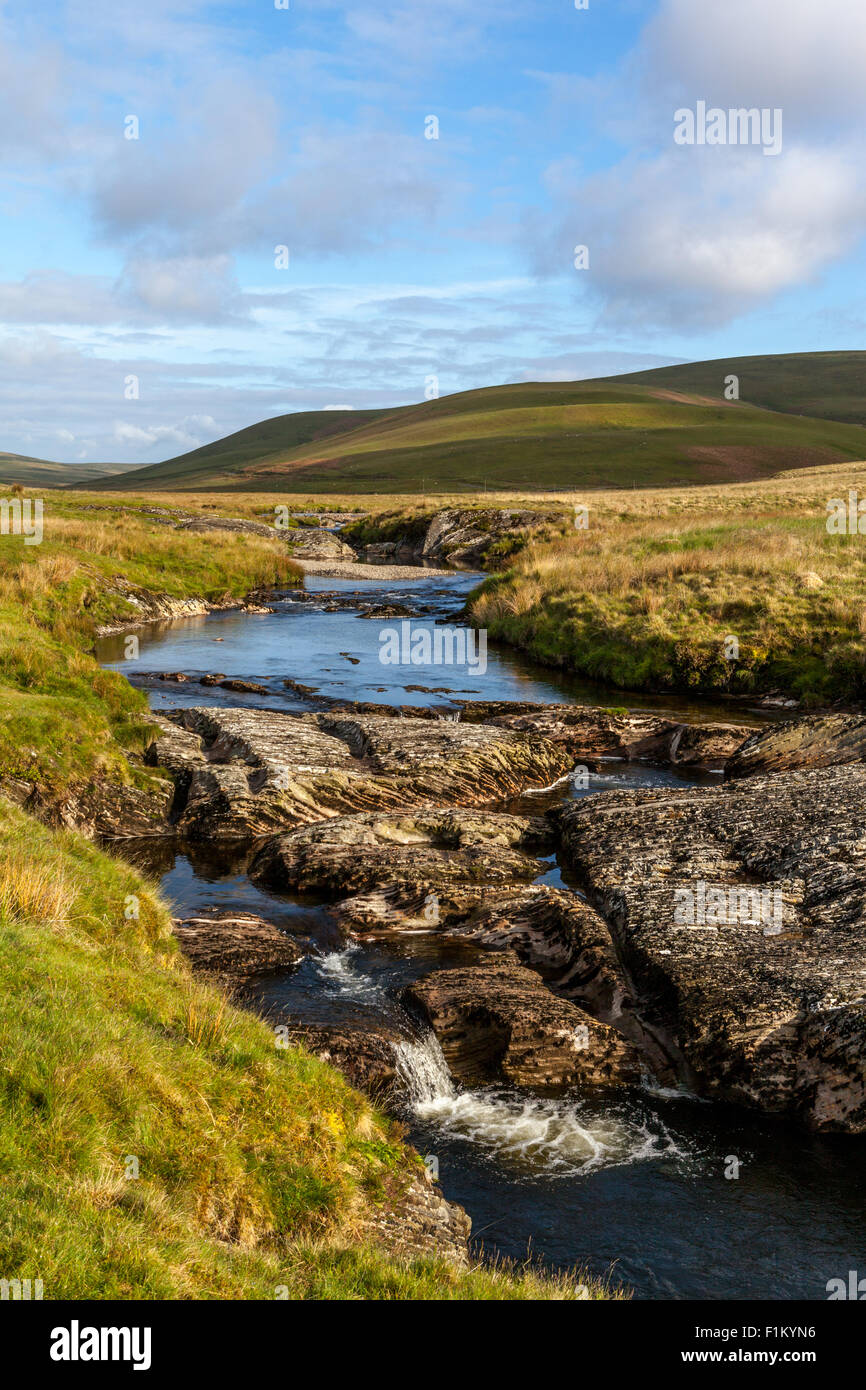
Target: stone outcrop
(229, 523)
(100, 808)
(585, 732)
(461, 538)
(416, 1222)
(498, 1022)
(317, 544)
(235, 947)
(150, 607)
(252, 771)
(826, 740)
(364, 1056)
(598, 734)
(418, 853)
(756, 1000)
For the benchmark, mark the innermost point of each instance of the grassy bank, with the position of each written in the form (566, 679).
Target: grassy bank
(155, 1142)
(649, 594)
(64, 720)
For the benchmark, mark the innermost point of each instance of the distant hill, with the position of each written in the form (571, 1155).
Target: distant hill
(32, 472)
(665, 427)
(825, 385)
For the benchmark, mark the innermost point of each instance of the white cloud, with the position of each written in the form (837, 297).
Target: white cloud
(691, 236)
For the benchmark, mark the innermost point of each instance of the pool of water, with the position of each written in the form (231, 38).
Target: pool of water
(677, 1197)
(338, 652)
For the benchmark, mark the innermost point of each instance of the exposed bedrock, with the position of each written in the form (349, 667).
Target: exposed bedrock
(597, 734)
(315, 543)
(365, 1055)
(415, 852)
(252, 771)
(827, 740)
(738, 913)
(235, 947)
(462, 538)
(498, 1022)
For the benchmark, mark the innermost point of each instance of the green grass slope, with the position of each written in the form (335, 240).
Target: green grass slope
(33, 472)
(824, 385)
(643, 430)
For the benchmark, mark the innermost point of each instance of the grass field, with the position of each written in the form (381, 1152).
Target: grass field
(647, 595)
(662, 429)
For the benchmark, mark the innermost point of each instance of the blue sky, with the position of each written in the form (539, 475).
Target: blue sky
(409, 258)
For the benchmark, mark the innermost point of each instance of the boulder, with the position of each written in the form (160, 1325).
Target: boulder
(498, 1022)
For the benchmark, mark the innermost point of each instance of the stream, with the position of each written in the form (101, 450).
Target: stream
(635, 1188)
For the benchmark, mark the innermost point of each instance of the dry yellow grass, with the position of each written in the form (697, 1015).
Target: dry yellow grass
(647, 595)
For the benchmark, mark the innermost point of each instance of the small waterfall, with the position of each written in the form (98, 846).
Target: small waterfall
(553, 1136)
(423, 1072)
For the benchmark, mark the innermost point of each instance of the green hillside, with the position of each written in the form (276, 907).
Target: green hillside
(668, 427)
(825, 385)
(33, 472)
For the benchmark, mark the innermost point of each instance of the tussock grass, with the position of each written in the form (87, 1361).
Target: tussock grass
(646, 596)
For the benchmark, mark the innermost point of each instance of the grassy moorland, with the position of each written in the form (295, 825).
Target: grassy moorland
(154, 1140)
(825, 385)
(659, 429)
(645, 597)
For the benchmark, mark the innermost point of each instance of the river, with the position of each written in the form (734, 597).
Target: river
(640, 1187)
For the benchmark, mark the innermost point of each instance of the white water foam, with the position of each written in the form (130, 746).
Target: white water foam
(340, 977)
(562, 1137)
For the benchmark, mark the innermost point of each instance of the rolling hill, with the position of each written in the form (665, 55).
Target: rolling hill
(665, 427)
(33, 472)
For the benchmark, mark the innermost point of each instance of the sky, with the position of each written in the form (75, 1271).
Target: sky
(215, 211)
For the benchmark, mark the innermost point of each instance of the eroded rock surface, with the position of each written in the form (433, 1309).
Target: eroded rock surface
(235, 946)
(597, 734)
(498, 1022)
(253, 771)
(827, 740)
(317, 544)
(365, 1056)
(418, 1222)
(757, 1000)
(420, 852)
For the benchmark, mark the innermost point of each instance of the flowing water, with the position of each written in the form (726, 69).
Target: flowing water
(642, 1184)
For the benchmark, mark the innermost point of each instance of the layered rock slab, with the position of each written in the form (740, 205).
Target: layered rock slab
(498, 1022)
(828, 740)
(411, 854)
(253, 771)
(598, 734)
(757, 999)
(235, 947)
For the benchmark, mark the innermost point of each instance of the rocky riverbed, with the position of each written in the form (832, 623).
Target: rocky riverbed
(702, 936)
